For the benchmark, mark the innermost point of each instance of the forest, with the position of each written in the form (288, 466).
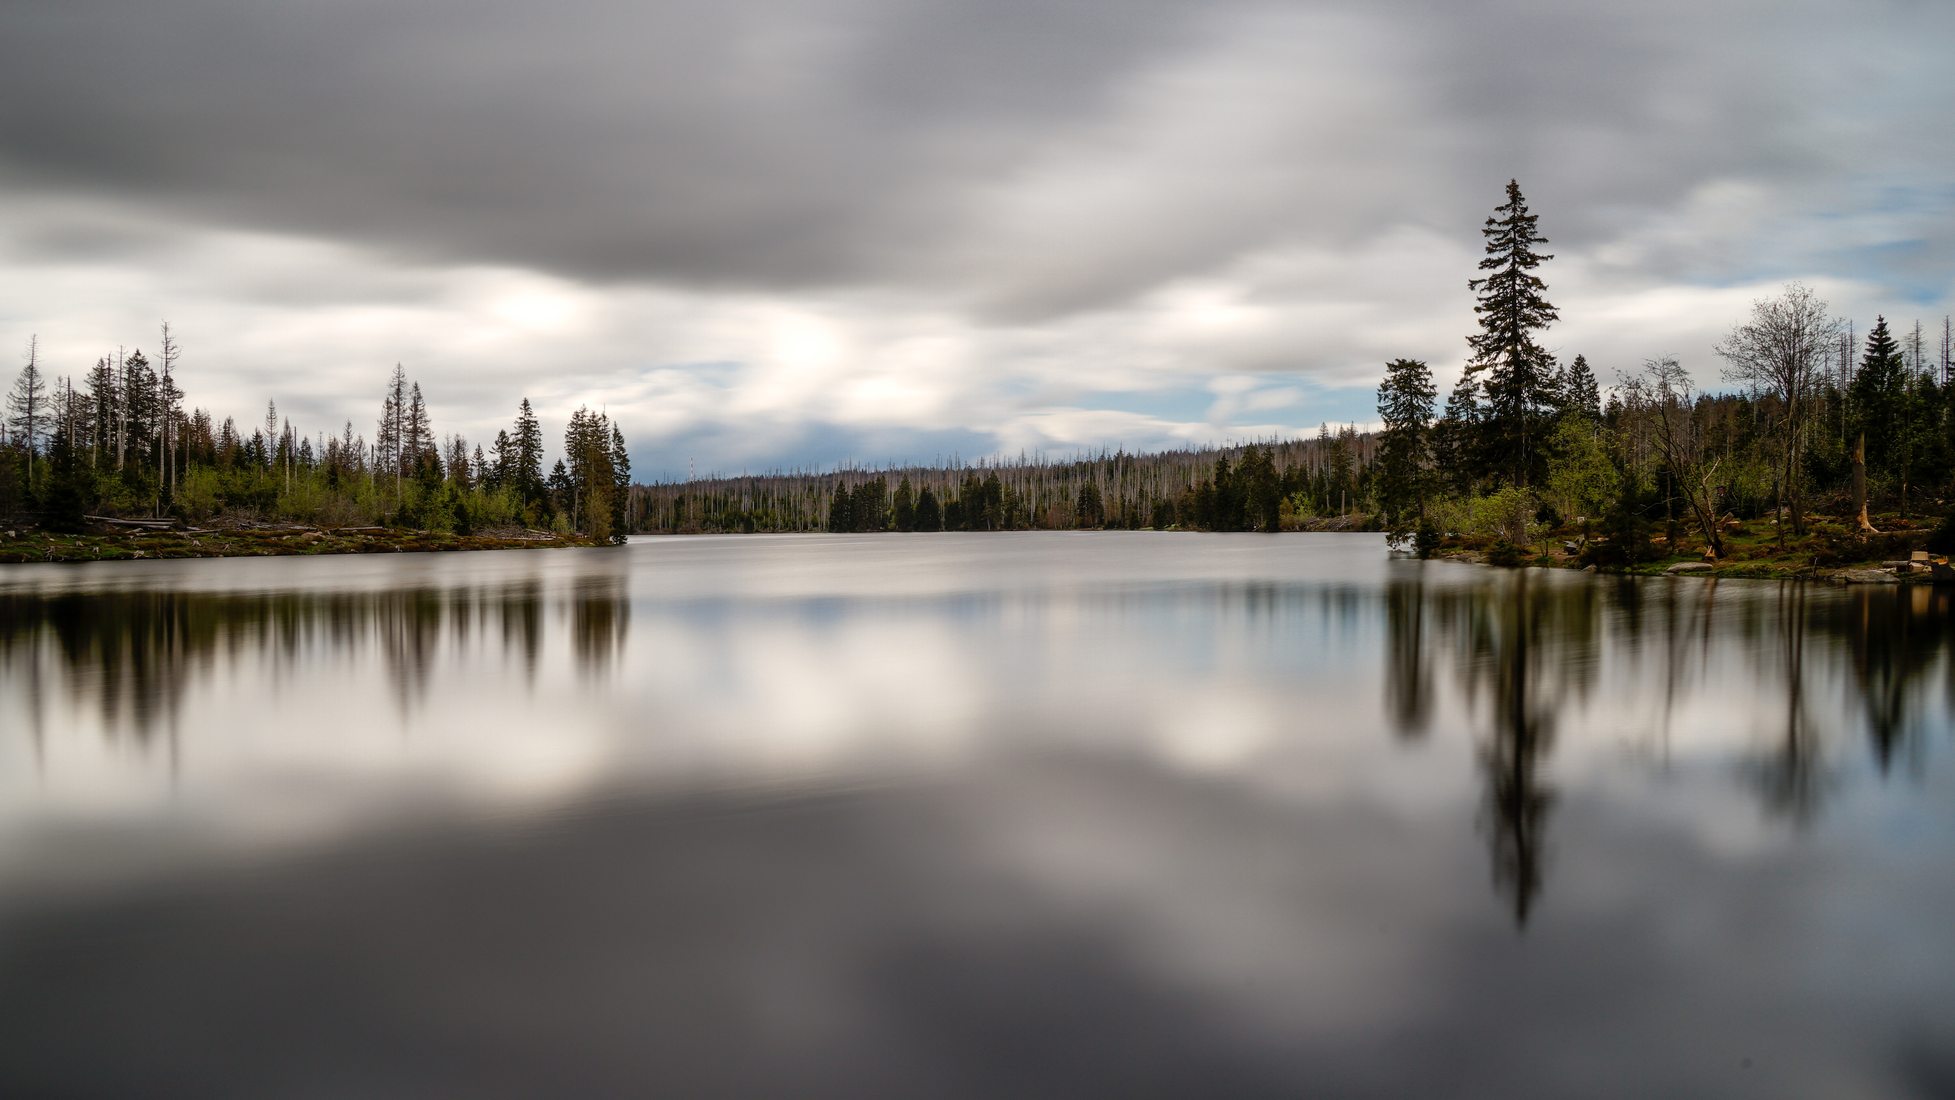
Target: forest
(124, 445)
(1796, 457)
(1814, 434)
(1263, 486)
(1817, 441)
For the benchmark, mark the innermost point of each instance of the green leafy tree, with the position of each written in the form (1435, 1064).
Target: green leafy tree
(1582, 482)
(1512, 308)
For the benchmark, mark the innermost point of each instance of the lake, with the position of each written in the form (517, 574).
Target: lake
(1093, 814)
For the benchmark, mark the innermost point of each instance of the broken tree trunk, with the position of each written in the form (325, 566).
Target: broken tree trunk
(1861, 523)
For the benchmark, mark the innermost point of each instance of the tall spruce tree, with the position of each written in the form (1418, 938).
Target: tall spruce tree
(528, 437)
(1512, 309)
(1878, 394)
(417, 433)
(389, 438)
(621, 516)
(1405, 402)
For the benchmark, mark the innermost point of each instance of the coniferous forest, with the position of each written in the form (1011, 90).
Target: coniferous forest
(1265, 486)
(1796, 436)
(124, 445)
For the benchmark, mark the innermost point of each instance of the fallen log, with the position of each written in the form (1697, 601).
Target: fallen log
(145, 524)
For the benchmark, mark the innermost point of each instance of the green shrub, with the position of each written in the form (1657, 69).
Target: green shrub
(1506, 555)
(1425, 540)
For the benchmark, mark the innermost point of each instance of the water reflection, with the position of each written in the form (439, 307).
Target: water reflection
(1527, 652)
(131, 656)
(1154, 814)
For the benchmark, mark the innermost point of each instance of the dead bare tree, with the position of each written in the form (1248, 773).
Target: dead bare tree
(1661, 395)
(167, 396)
(1776, 354)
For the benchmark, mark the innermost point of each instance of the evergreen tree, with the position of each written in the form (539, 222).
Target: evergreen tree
(104, 400)
(139, 403)
(527, 475)
(28, 415)
(1878, 395)
(1405, 401)
(503, 466)
(417, 433)
(869, 506)
(621, 495)
(1456, 439)
(1259, 492)
(903, 510)
(1512, 309)
(1089, 510)
(1580, 395)
(840, 519)
(929, 513)
(593, 479)
(66, 493)
(559, 492)
(388, 438)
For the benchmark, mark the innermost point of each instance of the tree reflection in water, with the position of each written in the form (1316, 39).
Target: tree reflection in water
(1526, 652)
(132, 655)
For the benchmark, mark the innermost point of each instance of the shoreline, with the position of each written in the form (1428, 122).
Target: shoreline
(1849, 573)
(21, 546)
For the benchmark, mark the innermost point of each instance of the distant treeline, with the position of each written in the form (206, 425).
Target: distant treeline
(1265, 486)
(124, 444)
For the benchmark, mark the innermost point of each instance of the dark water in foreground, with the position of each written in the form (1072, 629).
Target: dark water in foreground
(970, 816)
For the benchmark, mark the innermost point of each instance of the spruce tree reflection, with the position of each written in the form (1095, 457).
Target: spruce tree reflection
(520, 607)
(1517, 797)
(132, 656)
(1524, 647)
(599, 617)
(1408, 672)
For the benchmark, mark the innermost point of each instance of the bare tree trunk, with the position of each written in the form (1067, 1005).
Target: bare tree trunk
(1861, 523)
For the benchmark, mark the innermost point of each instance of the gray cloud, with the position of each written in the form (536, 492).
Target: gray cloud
(1201, 190)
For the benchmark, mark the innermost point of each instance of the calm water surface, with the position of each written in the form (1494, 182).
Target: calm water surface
(1001, 815)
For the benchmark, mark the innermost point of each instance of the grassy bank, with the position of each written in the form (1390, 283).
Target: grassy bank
(118, 544)
(1829, 550)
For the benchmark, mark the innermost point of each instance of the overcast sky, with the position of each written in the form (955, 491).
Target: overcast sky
(798, 233)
